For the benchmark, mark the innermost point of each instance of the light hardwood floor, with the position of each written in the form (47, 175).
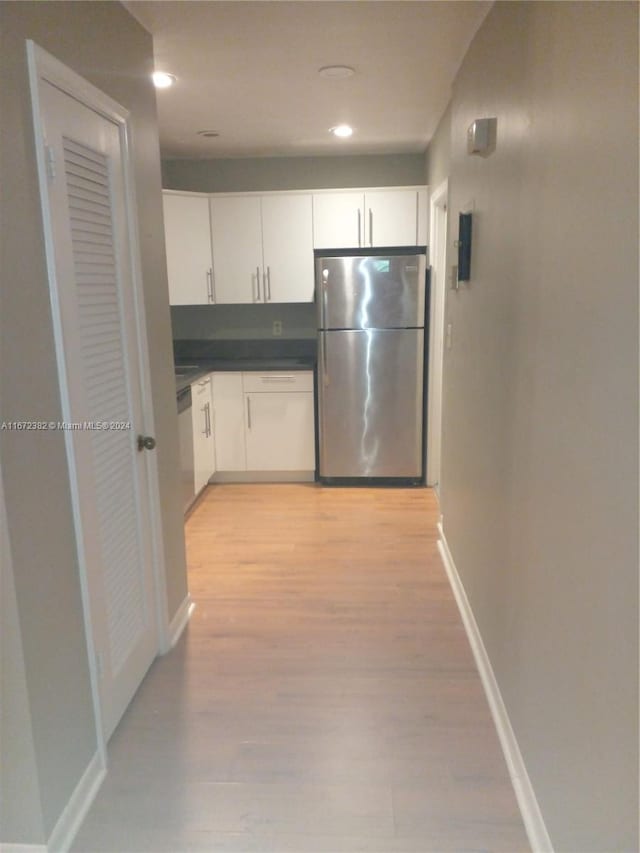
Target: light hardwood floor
(323, 698)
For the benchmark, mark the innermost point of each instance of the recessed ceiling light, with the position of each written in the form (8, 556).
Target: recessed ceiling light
(162, 79)
(336, 72)
(210, 134)
(342, 130)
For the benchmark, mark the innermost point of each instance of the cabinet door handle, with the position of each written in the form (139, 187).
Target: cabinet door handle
(204, 412)
(268, 298)
(210, 285)
(370, 227)
(248, 412)
(209, 417)
(258, 283)
(214, 298)
(359, 228)
(278, 378)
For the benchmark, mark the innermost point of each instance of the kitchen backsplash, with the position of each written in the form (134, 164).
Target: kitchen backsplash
(243, 322)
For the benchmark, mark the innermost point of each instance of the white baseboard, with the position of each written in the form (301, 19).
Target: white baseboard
(76, 809)
(180, 620)
(263, 477)
(529, 808)
(22, 848)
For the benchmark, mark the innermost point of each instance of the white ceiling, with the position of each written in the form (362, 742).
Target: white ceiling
(249, 70)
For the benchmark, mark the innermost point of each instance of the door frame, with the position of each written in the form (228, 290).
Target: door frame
(438, 204)
(43, 66)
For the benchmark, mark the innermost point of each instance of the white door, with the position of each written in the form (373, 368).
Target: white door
(236, 239)
(287, 241)
(92, 278)
(391, 218)
(338, 220)
(188, 241)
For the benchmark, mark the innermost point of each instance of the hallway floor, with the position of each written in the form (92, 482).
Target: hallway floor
(323, 698)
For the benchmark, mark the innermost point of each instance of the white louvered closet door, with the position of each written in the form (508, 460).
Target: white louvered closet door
(95, 295)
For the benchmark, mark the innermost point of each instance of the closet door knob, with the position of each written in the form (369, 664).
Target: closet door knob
(146, 442)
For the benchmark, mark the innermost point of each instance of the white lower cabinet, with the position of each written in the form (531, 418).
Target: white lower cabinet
(204, 455)
(280, 431)
(264, 425)
(228, 406)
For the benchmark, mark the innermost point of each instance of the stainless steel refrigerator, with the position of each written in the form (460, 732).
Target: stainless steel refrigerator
(371, 339)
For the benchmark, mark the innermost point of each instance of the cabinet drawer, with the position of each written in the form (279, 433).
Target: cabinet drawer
(277, 380)
(201, 387)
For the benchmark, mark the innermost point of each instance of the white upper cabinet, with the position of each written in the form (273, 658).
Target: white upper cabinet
(287, 240)
(337, 220)
(391, 218)
(377, 217)
(188, 242)
(236, 235)
(262, 248)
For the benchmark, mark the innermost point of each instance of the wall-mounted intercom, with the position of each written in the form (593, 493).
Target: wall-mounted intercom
(464, 247)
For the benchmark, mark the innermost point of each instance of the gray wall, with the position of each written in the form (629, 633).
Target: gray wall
(20, 810)
(243, 322)
(438, 154)
(293, 173)
(540, 429)
(103, 43)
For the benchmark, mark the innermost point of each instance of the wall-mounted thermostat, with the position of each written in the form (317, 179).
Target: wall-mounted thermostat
(479, 136)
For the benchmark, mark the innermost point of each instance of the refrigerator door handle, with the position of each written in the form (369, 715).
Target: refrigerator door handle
(325, 369)
(324, 304)
(323, 297)
(258, 283)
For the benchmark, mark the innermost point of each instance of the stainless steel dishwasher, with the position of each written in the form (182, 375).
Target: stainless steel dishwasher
(185, 432)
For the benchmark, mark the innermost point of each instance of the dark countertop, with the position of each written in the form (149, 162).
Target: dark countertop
(194, 351)
(207, 356)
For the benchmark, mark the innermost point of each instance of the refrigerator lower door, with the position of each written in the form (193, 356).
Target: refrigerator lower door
(370, 395)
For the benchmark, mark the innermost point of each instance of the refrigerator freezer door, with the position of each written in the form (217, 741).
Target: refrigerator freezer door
(376, 292)
(370, 388)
